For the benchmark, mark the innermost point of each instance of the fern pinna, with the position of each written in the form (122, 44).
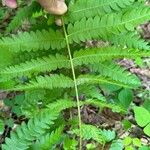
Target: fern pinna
(51, 59)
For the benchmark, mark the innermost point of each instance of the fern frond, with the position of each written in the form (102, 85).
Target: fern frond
(6, 58)
(69, 143)
(90, 132)
(97, 79)
(81, 57)
(107, 25)
(29, 106)
(61, 104)
(37, 65)
(90, 8)
(24, 135)
(33, 41)
(115, 72)
(7, 84)
(48, 141)
(22, 57)
(27, 133)
(96, 55)
(22, 14)
(90, 91)
(102, 104)
(61, 81)
(130, 40)
(47, 82)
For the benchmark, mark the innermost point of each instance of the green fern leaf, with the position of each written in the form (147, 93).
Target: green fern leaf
(90, 91)
(33, 41)
(90, 8)
(37, 65)
(90, 132)
(22, 14)
(96, 55)
(7, 84)
(81, 57)
(24, 135)
(47, 82)
(29, 106)
(48, 141)
(115, 72)
(61, 104)
(6, 58)
(129, 39)
(107, 25)
(102, 104)
(93, 79)
(22, 57)
(69, 143)
(61, 81)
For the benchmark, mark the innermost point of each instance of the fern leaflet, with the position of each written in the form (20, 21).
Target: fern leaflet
(108, 25)
(129, 39)
(90, 132)
(24, 135)
(33, 41)
(93, 79)
(102, 104)
(48, 141)
(61, 81)
(95, 55)
(47, 82)
(61, 104)
(27, 133)
(37, 65)
(90, 8)
(81, 57)
(115, 72)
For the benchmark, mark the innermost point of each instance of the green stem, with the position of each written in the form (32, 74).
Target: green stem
(75, 85)
(103, 146)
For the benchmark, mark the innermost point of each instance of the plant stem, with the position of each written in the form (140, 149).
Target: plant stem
(75, 85)
(103, 146)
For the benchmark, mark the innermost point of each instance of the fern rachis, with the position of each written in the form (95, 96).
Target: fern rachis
(75, 84)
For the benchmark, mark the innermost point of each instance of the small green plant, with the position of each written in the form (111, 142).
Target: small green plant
(142, 117)
(128, 143)
(15, 104)
(58, 74)
(131, 143)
